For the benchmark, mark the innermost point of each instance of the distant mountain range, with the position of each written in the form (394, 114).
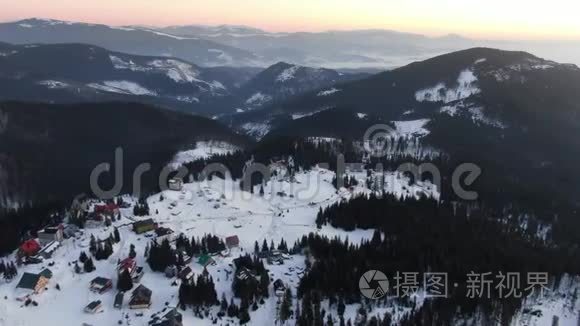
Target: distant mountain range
(384, 49)
(139, 41)
(68, 73)
(248, 46)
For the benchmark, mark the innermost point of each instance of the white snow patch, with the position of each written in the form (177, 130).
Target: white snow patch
(203, 149)
(467, 86)
(297, 116)
(256, 129)
(188, 99)
(287, 74)
(478, 117)
(122, 87)
(179, 71)
(5, 54)
(53, 84)
(482, 60)
(258, 99)
(412, 128)
(361, 115)
(449, 109)
(119, 63)
(328, 92)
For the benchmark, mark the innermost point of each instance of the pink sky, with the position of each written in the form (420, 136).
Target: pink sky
(498, 19)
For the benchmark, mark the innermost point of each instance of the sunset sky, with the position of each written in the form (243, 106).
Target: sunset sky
(497, 19)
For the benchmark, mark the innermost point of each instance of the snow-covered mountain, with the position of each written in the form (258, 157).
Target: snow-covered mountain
(282, 81)
(77, 72)
(135, 40)
(460, 104)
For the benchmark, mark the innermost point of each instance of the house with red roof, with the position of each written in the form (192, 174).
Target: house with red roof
(30, 247)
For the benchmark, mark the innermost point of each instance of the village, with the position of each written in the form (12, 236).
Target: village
(99, 259)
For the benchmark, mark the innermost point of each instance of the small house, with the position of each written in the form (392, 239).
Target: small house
(119, 300)
(232, 241)
(48, 250)
(279, 287)
(127, 264)
(186, 258)
(34, 283)
(167, 318)
(30, 248)
(108, 210)
(51, 234)
(186, 274)
(94, 307)
(163, 233)
(205, 260)
(140, 298)
(175, 184)
(244, 274)
(143, 226)
(101, 285)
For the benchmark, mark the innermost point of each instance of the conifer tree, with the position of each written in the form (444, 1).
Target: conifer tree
(125, 281)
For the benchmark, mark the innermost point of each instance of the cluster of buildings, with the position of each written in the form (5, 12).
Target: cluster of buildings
(34, 250)
(274, 257)
(140, 296)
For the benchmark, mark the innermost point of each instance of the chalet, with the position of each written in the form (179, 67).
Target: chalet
(29, 248)
(186, 274)
(119, 300)
(167, 318)
(232, 241)
(108, 210)
(205, 260)
(48, 250)
(244, 274)
(143, 226)
(101, 285)
(186, 258)
(279, 287)
(127, 264)
(163, 233)
(94, 307)
(140, 298)
(33, 283)
(276, 257)
(175, 184)
(51, 234)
